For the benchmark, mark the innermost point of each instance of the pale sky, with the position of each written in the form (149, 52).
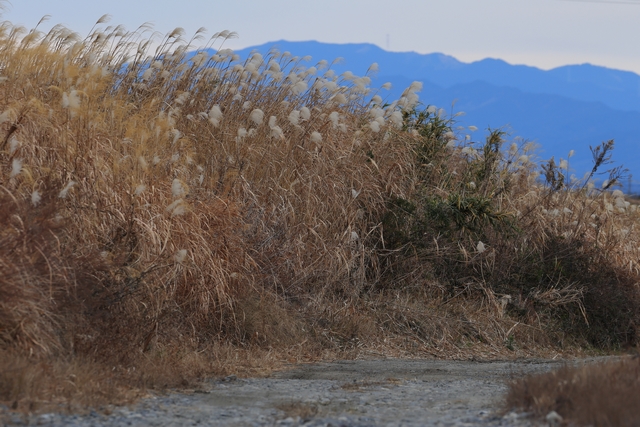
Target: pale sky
(542, 33)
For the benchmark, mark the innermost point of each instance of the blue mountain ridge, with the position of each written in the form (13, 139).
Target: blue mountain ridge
(566, 108)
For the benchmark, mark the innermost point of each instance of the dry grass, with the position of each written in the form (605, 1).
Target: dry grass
(180, 216)
(64, 385)
(74, 384)
(602, 394)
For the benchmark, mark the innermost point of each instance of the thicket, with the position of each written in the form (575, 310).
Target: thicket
(162, 204)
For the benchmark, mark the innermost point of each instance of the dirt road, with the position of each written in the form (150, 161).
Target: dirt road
(345, 393)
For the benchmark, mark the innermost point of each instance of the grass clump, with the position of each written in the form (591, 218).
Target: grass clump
(213, 214)
(599, 394)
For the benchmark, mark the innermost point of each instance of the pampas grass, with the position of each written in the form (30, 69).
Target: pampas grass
(193, 200)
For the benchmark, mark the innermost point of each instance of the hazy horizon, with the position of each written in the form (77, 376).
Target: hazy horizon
(545, 34)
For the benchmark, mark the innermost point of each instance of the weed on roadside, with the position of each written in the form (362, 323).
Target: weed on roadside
(602, 394)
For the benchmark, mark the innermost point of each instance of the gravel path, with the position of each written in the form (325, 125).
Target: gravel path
(347, 393)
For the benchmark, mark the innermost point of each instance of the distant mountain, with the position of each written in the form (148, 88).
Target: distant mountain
(617, 89)
(566, 108)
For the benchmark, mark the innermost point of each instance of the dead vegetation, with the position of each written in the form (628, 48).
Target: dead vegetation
(167, 215)
(602, 394)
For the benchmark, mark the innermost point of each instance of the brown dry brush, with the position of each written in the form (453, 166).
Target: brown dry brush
(602, 394)
(33, 274)
(157, 204)
(185, 194)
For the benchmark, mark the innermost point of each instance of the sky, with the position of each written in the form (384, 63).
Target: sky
(541, 33)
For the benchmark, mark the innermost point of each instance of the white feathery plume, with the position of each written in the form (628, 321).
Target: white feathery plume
(396, 119)
(316, 137)
(340, 98)
(16, 167)
(180, 256)
(299, 87)
(276, 132)
(257, 116)
(294, 117)
(65, 191)
(35, 198)
(215, 115)
(178, 188)
(14, 144)
(274, 66)
(334, 117)
(143, 163)
(176, 208)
